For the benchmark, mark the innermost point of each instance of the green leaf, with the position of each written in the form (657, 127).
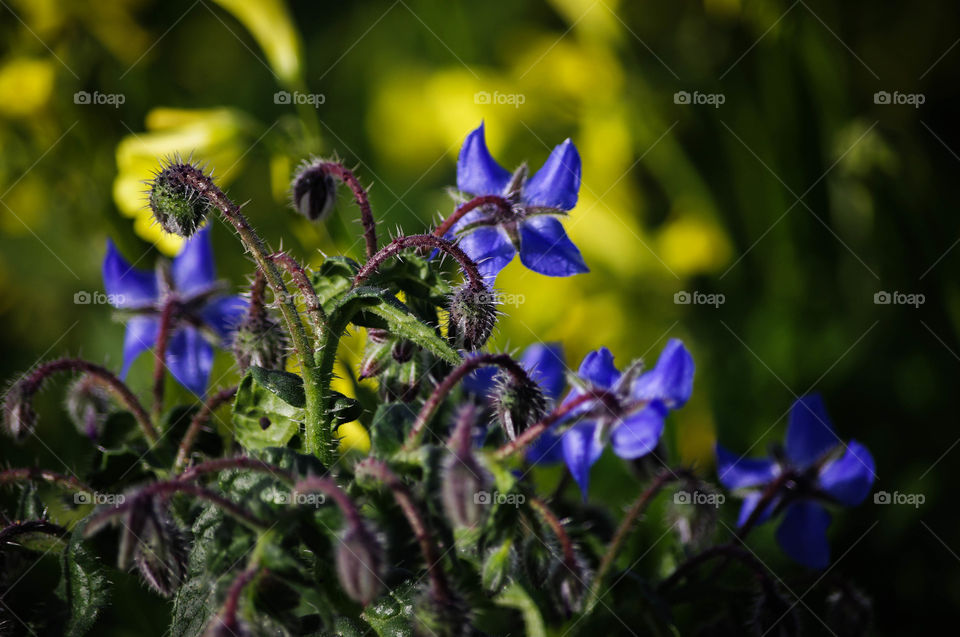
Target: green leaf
(496, 566)
(83, 587)
(515, 596)
(268, 409)
(333, 279)
(392, 615)
(389, 428)
(400, 320)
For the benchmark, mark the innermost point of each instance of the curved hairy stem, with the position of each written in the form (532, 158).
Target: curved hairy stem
(302, 281)
(502, 361)
(33, 381)
(399, 244)
(201, 418)
(160, 353)
(502, 204)
(34, 474)
(316, 388)
(363, 202)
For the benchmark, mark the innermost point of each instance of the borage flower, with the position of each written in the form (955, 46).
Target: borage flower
(632, 421)
(492, 236)
(815, 467)
(201, 313)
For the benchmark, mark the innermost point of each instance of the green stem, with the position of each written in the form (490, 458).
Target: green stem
(316, 386)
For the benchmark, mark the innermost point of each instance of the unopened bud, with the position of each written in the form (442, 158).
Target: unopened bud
(313, 191)
(464, 491)
(518, 404)
(376, 353)
(260, 342)
(472, 317)
(88, 405)
(360, 564)
(176, 203)
(19, 417)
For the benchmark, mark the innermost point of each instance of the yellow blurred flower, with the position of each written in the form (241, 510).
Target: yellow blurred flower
(691, 245)
(216, 136)
(25, 86)
(270, 24)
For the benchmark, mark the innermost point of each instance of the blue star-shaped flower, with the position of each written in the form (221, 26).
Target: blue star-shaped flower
(826, 470)
(491, 236)
(202, 313)
(634, 427)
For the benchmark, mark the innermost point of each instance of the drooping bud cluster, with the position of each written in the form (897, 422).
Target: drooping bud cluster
(466, 499)
(176, 203)
(19, 416)
(313, 191)
(472, 317)
(518, 403)
(259, 341)
(88, 405)
(360, 562)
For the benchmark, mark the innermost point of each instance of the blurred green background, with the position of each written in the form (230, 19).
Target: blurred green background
(798, 199)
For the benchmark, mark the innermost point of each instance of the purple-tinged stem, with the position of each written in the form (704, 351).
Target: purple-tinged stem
(330, 489)
(160, 354)
(363, 202)
(502, 361)
(399, 244)
(473, 204)
(239, 462)
(35, 474)
(302, 281)
(200, 419)
(34, 380)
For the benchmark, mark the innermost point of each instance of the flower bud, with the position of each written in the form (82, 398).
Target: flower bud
(259, 341)
(313, 191)
(19, 417)
(472, 316)
(88, 405)
(465, 489)
(360, 564)
(177, 205)
(518, 404)
(376, 353)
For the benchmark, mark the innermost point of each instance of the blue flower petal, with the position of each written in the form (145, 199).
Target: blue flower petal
(735, 472)
(140, 336)
(803, 534)
(490, 248)
(224, 313)
(750, 502)
(581, 450)
(477, 172)
(639, 433)
(127, 287)
(546, 449)
(479, 382)
(809, 433)
(190, 359)
(193, 269)
(546, 248)
(849, 478)
(598, 369)
(546, 365)
(670, 380)
(557, 183)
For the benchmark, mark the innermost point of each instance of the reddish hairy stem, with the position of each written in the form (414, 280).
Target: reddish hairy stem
(33, 381)
(569, 557)
(399, 244)
(239, 462)
(201, 418)
(459, 373)
(363, 202)
(202, 493)
(302, 281)
(258, 288)
(35, 474)
(727, 551)
(330, 488)
(638, 507)
(533, 432)
(228, 616)
(439, 588)
(160, 353)
(473, 204)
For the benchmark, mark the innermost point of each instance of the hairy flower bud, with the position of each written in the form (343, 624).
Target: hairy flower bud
(259, 341)
(177, 205)
(360, 564)
(472, 317)
(88, 405)
(19, 416)
(313, 191)
(465, 489)
(376, 353)
(518, 404)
